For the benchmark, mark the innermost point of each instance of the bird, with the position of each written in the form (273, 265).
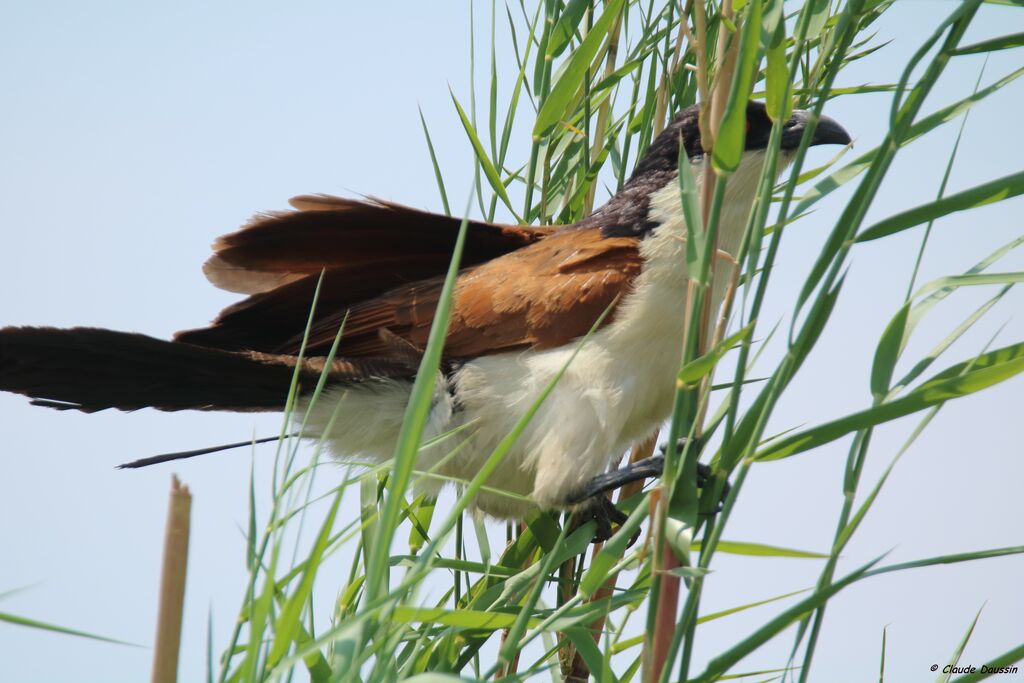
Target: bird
(525, 300)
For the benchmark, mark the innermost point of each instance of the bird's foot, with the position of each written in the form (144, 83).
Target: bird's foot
(634, 471)
(592, 503)
(603, 512)
(638, 471)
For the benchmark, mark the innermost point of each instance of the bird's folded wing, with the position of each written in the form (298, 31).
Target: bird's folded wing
(542, 295)
(371, 241)
(362, 248)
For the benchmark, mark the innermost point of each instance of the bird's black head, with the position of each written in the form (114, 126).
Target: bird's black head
(663, 154)
(626, 214)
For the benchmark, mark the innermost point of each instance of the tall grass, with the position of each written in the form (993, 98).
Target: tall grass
(594, 83)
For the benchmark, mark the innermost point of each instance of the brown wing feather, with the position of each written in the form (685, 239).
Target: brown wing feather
(541, 296)
(267, 321)
(364, 247)
(361, 239)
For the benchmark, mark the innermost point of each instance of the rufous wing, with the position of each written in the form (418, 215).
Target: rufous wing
(362, 249)
(541, 296)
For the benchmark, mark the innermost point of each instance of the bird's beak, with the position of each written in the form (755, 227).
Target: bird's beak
(827, 132)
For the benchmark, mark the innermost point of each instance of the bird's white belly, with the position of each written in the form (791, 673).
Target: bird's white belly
(615, 392)
(599, 406)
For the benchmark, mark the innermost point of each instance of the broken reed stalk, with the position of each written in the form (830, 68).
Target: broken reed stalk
(172, 585)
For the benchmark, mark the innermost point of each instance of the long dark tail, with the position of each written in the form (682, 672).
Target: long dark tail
(92, 369)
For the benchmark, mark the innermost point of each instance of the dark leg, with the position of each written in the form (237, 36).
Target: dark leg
(637, 471)
(610, 481)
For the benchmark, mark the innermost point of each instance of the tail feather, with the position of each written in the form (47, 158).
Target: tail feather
(92, 369)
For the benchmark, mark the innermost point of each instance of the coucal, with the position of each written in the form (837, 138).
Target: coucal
(523, 299)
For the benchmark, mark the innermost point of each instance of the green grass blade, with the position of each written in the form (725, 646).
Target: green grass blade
(958, 652)
(600, 570)
(556, 104)
(955, 558)
(762, 550)
(461, 618)
(992, 45)
(413, 426)
(723, 662)
(53, 628)
(288, 622)
(688, 196)
(777, 100)
(993, 191)
(970, 280)
(433, 162)
(959, 380)
(948, 341)
(890, 345)
(881, 665)
(699, 368)
(490, 172)
(729, 144)
(566, 28)
(919, 128)
(750, 605)
(1003, 664)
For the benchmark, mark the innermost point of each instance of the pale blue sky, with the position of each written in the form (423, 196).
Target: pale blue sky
(135, 133)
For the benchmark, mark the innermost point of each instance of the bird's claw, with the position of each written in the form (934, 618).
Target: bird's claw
(593, 504)
(604, 513)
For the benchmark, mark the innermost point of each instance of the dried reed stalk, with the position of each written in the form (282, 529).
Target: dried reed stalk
(172, 585)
